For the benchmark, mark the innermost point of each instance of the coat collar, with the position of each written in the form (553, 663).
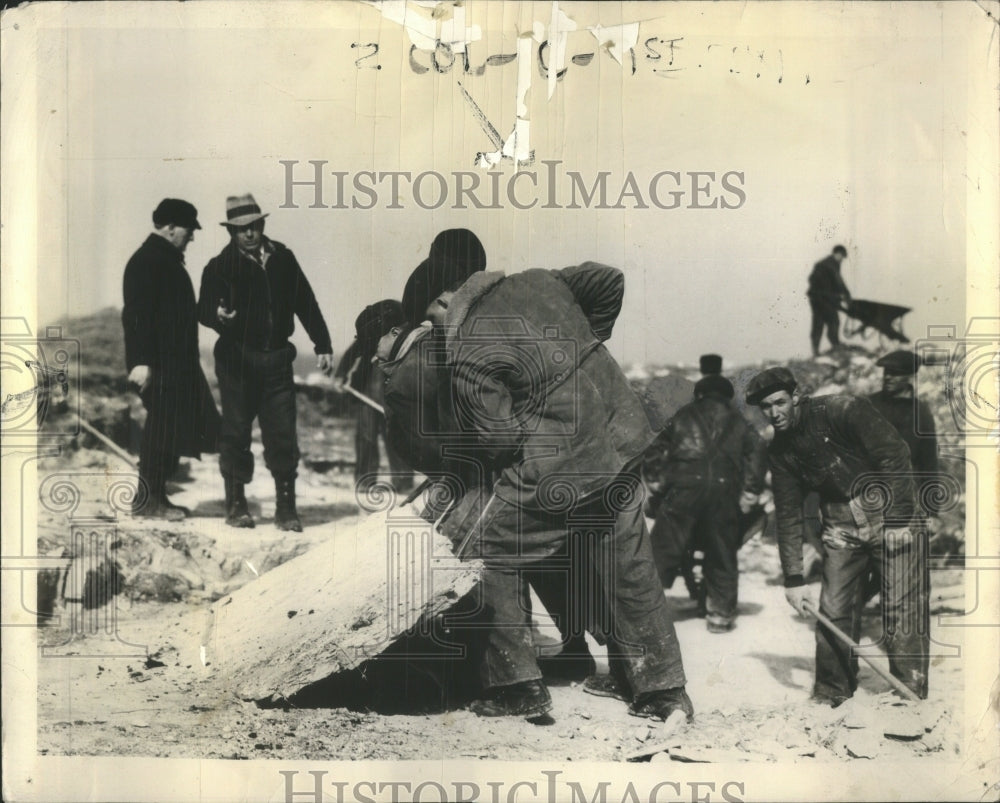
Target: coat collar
(415, 336)
(466, 297)
(160, 244)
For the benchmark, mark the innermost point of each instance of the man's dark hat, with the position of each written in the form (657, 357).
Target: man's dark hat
(375, 321)
(770, 381)
(714, 385)
(177, 212)
(455, 255)
(839, 249)
(899, 363)
(710, 364)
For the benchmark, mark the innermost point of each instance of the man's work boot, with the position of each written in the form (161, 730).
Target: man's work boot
(716, 623)
(606, 686)
(153, 504)
(573, 664)
(529, 699)
(237, 512)
(661, 704)
(285, 515)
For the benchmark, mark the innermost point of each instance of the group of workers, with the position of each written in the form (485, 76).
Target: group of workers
(499, 389)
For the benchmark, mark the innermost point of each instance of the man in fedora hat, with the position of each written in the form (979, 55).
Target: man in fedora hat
(826, 292)
(250, 294)
(840, 447)
(160, 320)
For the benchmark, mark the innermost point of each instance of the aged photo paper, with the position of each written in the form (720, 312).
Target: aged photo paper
(711, 154)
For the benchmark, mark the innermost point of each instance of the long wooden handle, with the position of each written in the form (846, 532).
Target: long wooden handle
(370, 402)
(114, 447)
(897, 684)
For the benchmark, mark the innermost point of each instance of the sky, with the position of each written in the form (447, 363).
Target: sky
(839, 123)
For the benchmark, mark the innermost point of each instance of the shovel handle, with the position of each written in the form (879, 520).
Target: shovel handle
(896, 683)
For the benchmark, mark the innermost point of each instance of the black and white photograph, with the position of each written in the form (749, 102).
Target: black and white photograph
(492, 401)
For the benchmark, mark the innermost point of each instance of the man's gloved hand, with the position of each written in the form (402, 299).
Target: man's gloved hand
(797, 597)
(325, 364)
(748, 501)
(140, 376)
(338, 385)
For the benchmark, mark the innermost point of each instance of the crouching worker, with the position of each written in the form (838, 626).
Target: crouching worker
(842, 448)
(538, 393)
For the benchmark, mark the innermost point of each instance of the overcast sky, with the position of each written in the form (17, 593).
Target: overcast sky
(848, 123)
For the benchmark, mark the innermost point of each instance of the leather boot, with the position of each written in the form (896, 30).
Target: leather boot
(529, 699)
(237, 513)
(151, 502)
(285, 515)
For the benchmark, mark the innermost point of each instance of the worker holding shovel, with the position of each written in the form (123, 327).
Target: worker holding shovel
(842, 448)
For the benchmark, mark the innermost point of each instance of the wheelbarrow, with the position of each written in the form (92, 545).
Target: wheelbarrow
(886, 319)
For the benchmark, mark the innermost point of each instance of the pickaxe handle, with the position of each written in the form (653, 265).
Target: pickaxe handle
(897, 684)
(362, 397)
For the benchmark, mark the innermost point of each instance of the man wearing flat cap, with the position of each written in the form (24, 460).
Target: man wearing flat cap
(537, 393)
(827, 292)
(251, 294)
(357, 371)
(160, 320)
(706, 468)
(840, 447)
(911, 416)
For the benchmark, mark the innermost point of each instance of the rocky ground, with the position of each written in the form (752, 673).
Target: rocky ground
(127, 676)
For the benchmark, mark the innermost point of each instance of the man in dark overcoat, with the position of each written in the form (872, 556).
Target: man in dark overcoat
(160, 320)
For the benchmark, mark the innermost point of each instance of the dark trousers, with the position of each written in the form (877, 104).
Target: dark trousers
(156, 465)
(609, 565)
(369, 427)
(824, 314)
(706, 518)
(257, 384)
(905, 590)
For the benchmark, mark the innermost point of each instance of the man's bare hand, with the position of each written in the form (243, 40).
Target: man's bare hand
(140, 376)
(338, 385)
(748, 501)
(224, 314)
(798, 597)
(325, 364)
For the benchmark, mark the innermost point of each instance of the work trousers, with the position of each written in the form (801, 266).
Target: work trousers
(704, 517)
(853, 555)
(257, 385)
(613, 590)
(824, 315)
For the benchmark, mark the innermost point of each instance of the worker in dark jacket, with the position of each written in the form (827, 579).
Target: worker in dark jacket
(543, 399)
(250, 294)
(842, 448)
(706, 466)
(160, 319)
(912, 417)
(423, 427)
(356, 370)
(827, 292)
